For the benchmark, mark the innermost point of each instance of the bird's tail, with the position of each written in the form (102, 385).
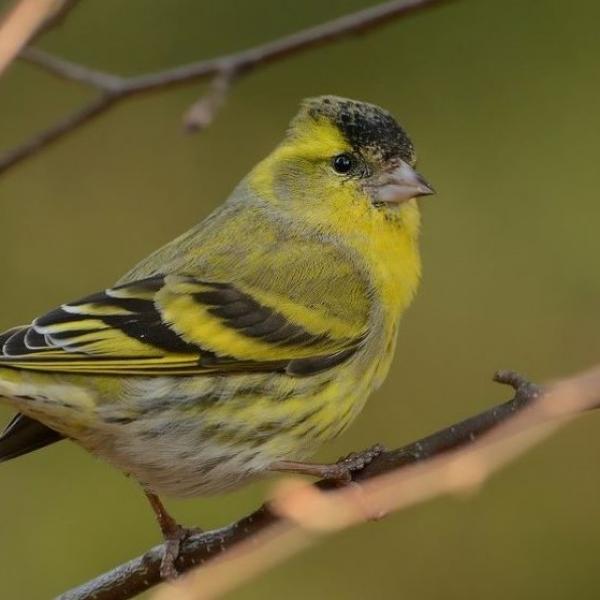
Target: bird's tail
(24, 435)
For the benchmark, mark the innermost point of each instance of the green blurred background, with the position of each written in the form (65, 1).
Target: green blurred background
(502, 99)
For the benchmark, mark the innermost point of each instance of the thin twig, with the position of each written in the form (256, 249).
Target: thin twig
(241, 63)
(65, 69)
(141, 573)
(202, 113)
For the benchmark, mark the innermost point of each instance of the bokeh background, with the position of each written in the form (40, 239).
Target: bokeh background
(502, 100)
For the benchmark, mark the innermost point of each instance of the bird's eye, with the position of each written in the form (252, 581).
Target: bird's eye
(343, 163)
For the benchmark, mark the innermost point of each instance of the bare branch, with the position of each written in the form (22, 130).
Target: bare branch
(203, 112)
(243, 62)
(143, 572)
(223, 68)
(64, 69)
(307, 513)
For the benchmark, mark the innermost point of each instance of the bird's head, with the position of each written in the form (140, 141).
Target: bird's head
(342, 157)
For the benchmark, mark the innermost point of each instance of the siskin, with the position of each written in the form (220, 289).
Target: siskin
(247, 342)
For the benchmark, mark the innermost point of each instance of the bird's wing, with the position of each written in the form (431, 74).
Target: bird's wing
(180, 325)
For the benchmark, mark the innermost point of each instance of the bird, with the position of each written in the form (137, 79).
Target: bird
(242, 346)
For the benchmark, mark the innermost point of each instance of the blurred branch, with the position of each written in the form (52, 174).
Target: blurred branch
(501, 421)
(64, 69)
(202, 113)
(224, 71)
(25, 21)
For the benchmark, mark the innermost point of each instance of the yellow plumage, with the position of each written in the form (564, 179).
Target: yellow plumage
(252, 338)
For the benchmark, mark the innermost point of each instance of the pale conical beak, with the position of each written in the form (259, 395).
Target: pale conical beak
(401, 184)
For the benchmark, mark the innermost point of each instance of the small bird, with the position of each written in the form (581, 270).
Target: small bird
(241, 346)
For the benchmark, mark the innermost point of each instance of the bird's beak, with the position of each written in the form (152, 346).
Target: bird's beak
(401, 184)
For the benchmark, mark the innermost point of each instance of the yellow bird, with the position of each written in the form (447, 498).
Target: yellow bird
(247, 342)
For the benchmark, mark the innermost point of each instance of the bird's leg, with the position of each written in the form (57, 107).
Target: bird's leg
(340, 471)
(173, 534)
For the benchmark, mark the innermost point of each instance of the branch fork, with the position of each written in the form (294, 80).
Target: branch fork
(223, 71)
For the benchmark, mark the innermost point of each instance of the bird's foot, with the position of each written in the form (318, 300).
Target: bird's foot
(172, 547)
(173, 534)
(355, 461)
(340, 472)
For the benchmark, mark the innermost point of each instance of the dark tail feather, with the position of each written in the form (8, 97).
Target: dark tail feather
(23, 435)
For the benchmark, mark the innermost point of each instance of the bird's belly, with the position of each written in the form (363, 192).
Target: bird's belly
(180, 444)
(176, 464)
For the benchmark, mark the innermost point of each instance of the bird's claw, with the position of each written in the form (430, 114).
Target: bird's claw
(172, 549)
(343, 469)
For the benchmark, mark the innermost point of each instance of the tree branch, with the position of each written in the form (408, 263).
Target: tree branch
(227, 68)
(64, 69)
(202, 113)
(129, 579)
(307, 513)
